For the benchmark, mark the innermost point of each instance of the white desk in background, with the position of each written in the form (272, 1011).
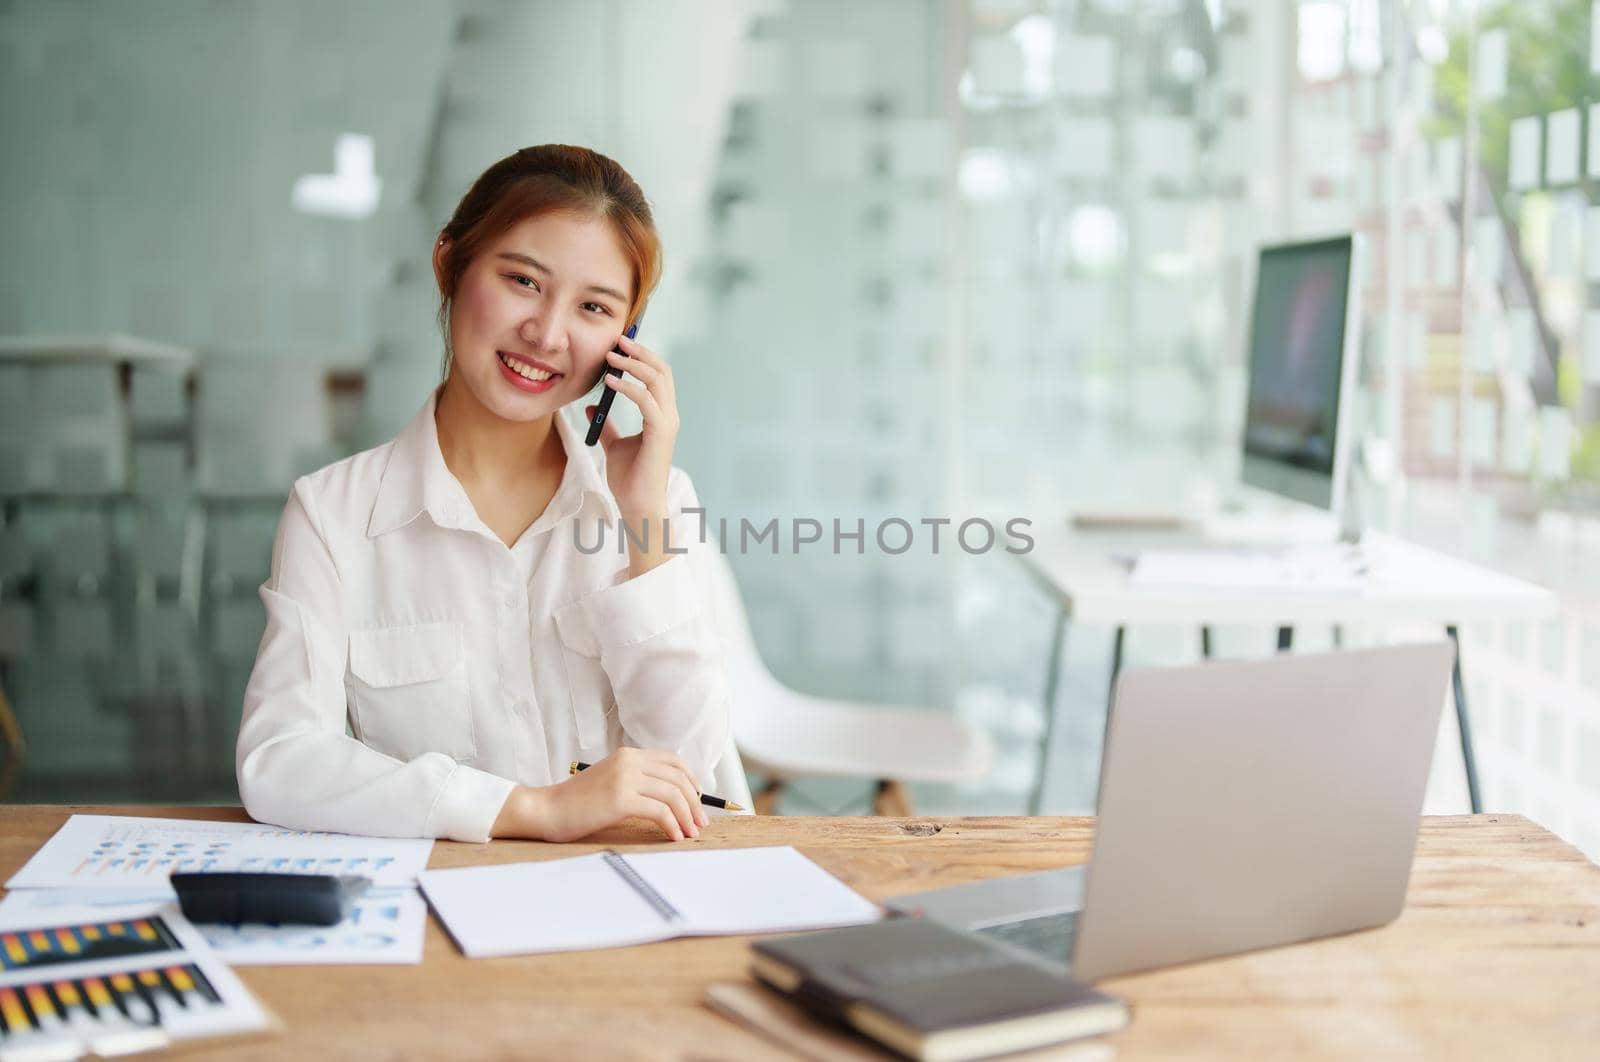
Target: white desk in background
(92, 429)
(73, 408)
(114, 348)
(1086, 573)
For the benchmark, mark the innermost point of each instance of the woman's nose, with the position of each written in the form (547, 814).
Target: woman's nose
(545, 330)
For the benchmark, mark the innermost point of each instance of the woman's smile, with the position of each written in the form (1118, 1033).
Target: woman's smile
(526, 374)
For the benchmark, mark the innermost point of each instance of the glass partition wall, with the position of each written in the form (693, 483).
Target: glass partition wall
(1027, 236)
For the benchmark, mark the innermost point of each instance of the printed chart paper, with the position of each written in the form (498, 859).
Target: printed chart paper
(111, 851)
(385, 926)
(74, 983)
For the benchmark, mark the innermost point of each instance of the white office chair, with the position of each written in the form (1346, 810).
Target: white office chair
(786, 734)
(728, 779)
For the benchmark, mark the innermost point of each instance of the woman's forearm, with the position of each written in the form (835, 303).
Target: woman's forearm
(647, 538)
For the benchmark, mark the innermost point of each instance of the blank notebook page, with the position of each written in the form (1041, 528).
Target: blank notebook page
(557, 905)
(751, 890)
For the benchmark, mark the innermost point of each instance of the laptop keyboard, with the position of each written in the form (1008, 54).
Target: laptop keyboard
(1047, 936)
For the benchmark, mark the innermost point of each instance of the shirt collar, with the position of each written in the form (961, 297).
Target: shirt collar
(416, 480)
(583, 485)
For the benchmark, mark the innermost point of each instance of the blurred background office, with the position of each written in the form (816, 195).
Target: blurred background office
(924, 258)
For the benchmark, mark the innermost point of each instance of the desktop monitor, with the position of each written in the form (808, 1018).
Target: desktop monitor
(1303, 333)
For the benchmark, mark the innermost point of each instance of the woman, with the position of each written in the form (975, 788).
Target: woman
(438, 646)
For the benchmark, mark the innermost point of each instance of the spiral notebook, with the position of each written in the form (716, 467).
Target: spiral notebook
(610, 900)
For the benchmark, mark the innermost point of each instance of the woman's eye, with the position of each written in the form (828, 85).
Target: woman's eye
(524, 281)
(596, 307)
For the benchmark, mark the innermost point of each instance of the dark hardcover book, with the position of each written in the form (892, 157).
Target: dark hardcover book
(935, 993)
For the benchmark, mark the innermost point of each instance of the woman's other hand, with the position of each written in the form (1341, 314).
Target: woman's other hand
(637, 465)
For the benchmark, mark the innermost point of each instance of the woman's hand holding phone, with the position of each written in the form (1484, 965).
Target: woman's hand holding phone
(630, 783)
(637, 465)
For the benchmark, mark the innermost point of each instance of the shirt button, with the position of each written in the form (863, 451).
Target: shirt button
(511, 600)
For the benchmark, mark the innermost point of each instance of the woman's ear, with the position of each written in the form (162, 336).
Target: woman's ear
(440, 248)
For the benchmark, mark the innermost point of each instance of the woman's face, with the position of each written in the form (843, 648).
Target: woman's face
(535, 313)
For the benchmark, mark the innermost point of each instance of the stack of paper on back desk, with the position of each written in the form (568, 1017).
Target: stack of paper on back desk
(609, 900)
(1336, 568)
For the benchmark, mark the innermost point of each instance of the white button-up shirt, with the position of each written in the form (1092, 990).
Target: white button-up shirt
(414, 668)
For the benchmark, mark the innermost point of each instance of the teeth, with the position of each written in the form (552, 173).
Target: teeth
(524, 370)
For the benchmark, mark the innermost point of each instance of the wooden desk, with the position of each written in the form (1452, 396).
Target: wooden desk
(1496, 956)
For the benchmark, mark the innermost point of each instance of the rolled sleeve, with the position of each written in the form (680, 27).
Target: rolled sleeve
(645, 606)
(468, 803)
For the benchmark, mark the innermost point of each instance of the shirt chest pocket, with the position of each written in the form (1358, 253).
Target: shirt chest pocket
(408, 690)
(590, 688)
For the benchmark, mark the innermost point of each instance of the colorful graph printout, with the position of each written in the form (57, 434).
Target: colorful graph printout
(138, 997)
(112, 851)
(386, 926)
(170, 985)
(27, 949)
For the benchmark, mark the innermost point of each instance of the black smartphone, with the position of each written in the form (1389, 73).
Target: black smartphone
(609, 394)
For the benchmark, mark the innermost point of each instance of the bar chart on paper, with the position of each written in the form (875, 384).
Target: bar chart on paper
(116, 851)
(84, 943)
(386, 925)
(103, 1003)
(76, 987)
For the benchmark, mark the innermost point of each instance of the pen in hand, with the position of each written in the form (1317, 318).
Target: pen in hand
(705, 798)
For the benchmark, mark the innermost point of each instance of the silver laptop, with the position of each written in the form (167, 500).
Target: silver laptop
(1243, 805)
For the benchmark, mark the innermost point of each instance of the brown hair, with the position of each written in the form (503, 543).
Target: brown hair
(539, 180)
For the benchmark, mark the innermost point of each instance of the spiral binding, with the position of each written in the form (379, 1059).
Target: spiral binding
(615, 861)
